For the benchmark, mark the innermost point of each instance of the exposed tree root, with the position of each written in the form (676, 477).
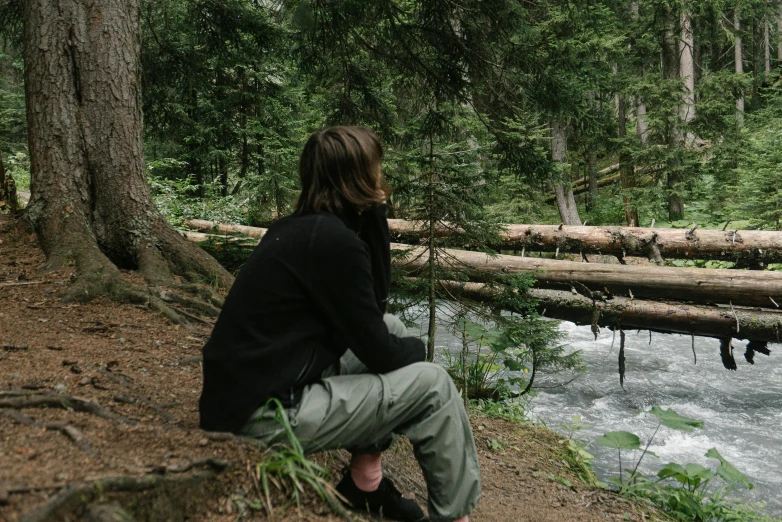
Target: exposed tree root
(204, 307)
(69, 431)
(127, 399)
(189, 260)
(157, 258)
(108, 513)
(63, 401)
(155, 496)
(203, 292)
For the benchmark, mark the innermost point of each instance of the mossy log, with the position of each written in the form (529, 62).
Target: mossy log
(737, 287)
(632, 314)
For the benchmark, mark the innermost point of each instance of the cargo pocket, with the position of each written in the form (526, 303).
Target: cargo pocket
(307, 418)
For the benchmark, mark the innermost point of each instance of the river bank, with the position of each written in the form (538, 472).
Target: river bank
(741, 410)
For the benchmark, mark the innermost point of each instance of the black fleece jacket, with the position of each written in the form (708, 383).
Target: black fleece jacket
(304, 296)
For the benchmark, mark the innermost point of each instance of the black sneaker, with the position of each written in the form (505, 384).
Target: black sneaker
(386, 501)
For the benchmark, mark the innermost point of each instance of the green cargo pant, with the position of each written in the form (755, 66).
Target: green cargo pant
(362, 412)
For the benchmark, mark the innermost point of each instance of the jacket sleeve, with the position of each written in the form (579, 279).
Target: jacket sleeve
(343, 289)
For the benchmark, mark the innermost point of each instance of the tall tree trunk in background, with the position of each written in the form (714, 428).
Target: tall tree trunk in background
(222, 169)
(779, 34)
(755, 59)
(687, 72)
(676, 138)
(8, 198)
(563, 188)
(766, 52)
(592, 172)
(626, 170)
(738, 58)
(90, 202)
(641, 125)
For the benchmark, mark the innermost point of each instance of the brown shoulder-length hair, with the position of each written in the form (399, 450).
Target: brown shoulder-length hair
(340, 168)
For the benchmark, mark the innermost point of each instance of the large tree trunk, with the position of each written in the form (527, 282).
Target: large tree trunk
(738, 287)
(90, 202)
(631, 314)
(738, 57)
(563, 189)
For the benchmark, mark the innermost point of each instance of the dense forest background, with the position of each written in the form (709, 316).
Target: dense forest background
(496, 111)
(659, 113)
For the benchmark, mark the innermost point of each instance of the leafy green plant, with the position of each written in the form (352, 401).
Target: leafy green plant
(514, 409)
(175, 196)
(482, 372)
(683, 491)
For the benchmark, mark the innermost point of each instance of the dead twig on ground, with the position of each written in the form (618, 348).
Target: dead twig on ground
(67, 402)
(76, 436)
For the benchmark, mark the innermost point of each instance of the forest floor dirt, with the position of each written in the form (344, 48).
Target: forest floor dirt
(89, 392)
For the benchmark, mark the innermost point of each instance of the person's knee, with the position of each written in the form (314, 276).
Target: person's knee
(434, 382)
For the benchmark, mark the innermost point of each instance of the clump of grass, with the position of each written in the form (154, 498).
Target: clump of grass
(286, 467)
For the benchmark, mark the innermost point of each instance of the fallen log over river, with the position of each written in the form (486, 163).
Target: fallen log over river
(736, 287)
(750, 247)
(635, 314)
(601, 308)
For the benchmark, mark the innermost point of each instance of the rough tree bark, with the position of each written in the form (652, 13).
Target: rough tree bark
(90, 202)
(563, 189)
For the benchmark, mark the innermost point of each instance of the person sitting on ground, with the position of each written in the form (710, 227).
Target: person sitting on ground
(304, 326)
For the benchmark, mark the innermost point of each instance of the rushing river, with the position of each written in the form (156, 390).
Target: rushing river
(741, 410)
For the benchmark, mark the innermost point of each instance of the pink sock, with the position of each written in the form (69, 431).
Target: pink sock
(463, 519)
(366, 471)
